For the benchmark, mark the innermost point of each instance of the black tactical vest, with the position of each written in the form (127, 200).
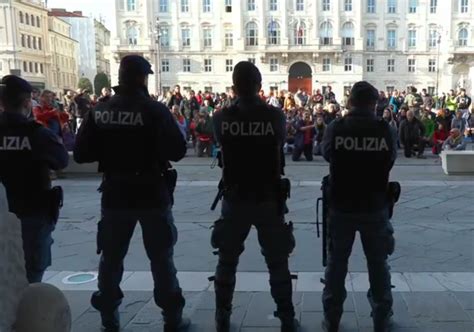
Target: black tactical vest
(127, 137)
(251, 148)
(26, 179)
(361, 155)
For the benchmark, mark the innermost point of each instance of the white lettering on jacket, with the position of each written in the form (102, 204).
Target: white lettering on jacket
(119, 118)
(15, 143)
(361, 143)
(247, 128)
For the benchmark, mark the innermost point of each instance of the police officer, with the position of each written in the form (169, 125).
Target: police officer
(133, 138)
(361, 150)
(251, 135)
(27, 153)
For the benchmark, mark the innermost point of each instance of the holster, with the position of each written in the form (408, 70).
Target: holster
(284, 195)
(100, 237)
(56, 197)
(394, 191)
(171, 177)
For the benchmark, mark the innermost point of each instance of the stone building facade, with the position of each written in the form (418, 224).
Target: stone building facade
(24, 47)
(306, 44)
(64, 50)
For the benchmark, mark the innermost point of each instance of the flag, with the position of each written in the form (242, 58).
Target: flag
(299, 29)
(272, 26)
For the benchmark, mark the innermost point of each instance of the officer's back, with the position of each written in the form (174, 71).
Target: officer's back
(251, 135)
(361, 150)
(27, 153)
(133, 138)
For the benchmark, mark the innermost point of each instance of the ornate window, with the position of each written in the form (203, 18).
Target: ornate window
(132, 35)
(370, 37)
(185, 36)
(207, 36)
(391, 38)
(463, 37)
(164, 6)
(348, 34)
(251, 34)
(131, 5)
(392, 6)
(299, 33)
(371, 6)
(326, 33)
(273, 33)
(411, 37)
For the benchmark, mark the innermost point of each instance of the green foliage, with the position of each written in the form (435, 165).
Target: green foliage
(100, 81)
(85, 83)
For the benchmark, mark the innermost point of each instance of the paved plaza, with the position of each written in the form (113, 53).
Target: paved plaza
(432, 267)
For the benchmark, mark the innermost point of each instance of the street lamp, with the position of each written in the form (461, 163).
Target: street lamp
(437, 61)
(157, 35)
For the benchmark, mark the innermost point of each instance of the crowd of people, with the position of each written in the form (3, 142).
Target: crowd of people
(421, 120)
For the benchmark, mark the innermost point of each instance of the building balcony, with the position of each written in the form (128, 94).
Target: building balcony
(462, 49)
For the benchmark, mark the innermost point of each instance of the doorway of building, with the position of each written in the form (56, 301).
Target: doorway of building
(300, 77)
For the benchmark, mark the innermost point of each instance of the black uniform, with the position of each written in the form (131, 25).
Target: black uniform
(133, 138)
(361, 150)
(27, 153)
(251, 134)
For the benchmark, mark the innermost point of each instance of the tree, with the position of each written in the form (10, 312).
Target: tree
(101, 81)
(85, 84)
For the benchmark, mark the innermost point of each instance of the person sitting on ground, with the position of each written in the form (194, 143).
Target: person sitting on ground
(439, 137)
(455, 141)
(411, 136)
(305, 132)
(402, 115)
(49, 116)
(204, 134)
(320, 129)
(441, 118)
(388, 117)
(458, 122)
(180, 120)
(428, 120)
(289, 102)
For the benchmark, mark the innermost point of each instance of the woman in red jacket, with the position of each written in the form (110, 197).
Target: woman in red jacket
(49, 116)
(440, 135)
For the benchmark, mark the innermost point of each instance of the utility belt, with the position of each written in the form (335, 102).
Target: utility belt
(43, 202)
(279, 191)
(167, 177)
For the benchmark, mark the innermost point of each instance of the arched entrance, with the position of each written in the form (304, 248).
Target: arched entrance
(300, 77)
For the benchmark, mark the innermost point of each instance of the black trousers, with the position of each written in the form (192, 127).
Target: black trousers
(276, 240)
(159, 236)
(306, 149)
(410, 145)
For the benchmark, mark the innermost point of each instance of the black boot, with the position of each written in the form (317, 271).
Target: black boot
(173, 313)
(177, 325)
(289, 324)
(383, 324)
(329, 326)
(222, 318)
(109, 314)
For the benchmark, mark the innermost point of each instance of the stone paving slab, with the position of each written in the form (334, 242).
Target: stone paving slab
(422, 311)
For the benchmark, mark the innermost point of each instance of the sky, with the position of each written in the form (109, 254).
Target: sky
(91, 8)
